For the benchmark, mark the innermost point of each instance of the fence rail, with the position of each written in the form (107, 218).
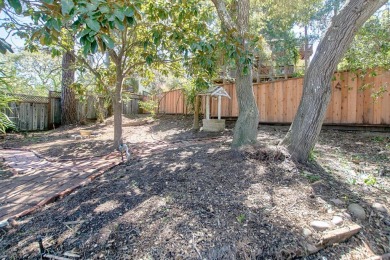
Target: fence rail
(355, 100)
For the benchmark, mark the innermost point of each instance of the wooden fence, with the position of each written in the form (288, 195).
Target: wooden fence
(355, 100)
(31, 113)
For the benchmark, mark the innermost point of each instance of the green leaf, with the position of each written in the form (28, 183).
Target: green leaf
(2, 4)
(94, 47)
(119, 24)
(94, 25)
(57, 25)
(47, 40)
(119, 14)
(87, 48)
(104, 9)
(130, 21)
(149, 59)
(92, 6)
(16, 5)
(66, 6)
(129, 11)
(84, 32)
(108, 41)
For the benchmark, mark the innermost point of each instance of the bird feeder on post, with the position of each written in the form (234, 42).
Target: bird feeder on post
(214, 125)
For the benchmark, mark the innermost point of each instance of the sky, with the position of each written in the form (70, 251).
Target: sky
(14, 40)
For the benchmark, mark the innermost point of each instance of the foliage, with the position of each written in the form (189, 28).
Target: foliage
(371, 46)
(241, 218)
(370, 180)
(5, 99)
(311, 177)
(149, 106)
(32, 73)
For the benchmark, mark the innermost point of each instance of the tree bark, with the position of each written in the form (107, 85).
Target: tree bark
(304, 131)
(245, 131)
(196, 126)
(68, 97)
(117, 105)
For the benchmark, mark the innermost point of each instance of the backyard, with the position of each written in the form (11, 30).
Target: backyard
(188, 195)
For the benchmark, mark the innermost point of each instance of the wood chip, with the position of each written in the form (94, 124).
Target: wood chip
(71, 254)
(74, 222)
(55, 257)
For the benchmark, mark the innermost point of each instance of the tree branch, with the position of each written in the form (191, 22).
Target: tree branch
(224, 15)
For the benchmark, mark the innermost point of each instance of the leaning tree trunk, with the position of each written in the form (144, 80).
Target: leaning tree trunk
(117, 105)
(303, 133)
(68, 98)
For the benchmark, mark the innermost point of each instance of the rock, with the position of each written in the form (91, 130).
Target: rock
(346, 215)
(319, 225)
(357, 211)
(379, 207)
(307, 232)
(4, 223)
(312, 249)
(337, 202)
(337, 220)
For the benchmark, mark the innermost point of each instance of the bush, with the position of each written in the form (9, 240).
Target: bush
(149, 106)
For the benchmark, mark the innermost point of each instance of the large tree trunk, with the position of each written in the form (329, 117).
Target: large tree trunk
(303, 133)
(68, 98)
(117, 105)
(245, 131)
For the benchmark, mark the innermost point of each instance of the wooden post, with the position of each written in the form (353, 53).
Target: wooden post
(195, 126)
(219, 107)
(207, 107)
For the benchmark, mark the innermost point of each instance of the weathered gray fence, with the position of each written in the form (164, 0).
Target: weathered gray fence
(31, 113)
(130, 104)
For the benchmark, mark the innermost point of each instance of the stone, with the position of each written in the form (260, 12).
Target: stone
(379, 207)
(319, 225)
(346, 215)
(307, 232)
(4, 223)
(337, 220)
(337, 202)
(312, 249)
(357, 211)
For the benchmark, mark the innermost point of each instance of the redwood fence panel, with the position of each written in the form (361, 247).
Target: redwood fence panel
(353, 100)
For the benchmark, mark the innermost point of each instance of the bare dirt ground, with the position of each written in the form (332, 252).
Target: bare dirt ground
(201, 200)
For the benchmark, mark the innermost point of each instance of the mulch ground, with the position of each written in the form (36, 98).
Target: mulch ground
(200, 199)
